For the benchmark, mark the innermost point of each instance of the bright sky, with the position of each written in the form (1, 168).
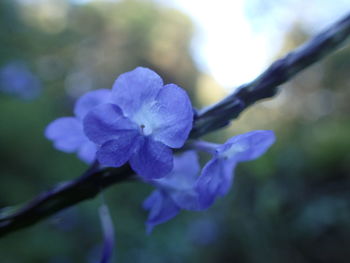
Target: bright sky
(231, 48)
(225, 45)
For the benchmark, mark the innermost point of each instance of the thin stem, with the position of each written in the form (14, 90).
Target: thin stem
(203, 146)
(107, 229)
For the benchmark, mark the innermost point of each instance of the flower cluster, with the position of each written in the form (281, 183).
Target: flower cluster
(141, 121)
(188, 188)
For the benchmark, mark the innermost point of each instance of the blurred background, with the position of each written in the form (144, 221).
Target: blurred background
(292, 205)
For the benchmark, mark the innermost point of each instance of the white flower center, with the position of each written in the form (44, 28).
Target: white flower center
(146, 119)
(233, 150)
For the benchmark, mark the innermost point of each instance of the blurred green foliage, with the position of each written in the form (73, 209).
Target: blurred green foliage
(292, 205)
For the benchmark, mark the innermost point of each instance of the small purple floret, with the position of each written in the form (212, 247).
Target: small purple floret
(67, 132)
(217, 175)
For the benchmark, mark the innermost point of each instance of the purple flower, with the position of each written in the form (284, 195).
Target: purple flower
(141, 124)
(174, 192)
(17, 80)
(217, 175)
(67, 132)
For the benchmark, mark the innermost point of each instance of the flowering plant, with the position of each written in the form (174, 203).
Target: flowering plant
(141, 121)
(179, 183)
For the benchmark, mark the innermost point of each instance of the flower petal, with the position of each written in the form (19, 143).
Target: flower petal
(179, 183)
(117, 152)
(188, 200)
(106, 122)
(183, 175)
(187, 165)
(215, 180)
(90, 100)
(66, 133)
(173, 116)
(152, 160)
(161, 207)
(87, 152)
(134, 88)
(247, 146)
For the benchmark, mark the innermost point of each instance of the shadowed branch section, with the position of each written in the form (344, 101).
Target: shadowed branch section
(63, 195)
(207, 120)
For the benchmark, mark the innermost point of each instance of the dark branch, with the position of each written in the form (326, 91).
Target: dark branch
(64, 195)
(212, 118)
(265, 86)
